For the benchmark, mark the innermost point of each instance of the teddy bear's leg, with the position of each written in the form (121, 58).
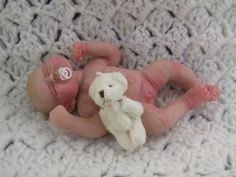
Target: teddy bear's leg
(163, 71)
(137, 133)
(124, 141)
(158, 120)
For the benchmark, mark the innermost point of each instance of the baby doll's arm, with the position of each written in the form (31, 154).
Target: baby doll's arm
(86, 127)
(97, 50)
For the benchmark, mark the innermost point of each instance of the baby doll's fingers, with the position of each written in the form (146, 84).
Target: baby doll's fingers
(76, 53)
(79, 50)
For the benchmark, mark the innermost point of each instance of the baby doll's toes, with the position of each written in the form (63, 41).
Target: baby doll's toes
(214, 92)
(202, 92)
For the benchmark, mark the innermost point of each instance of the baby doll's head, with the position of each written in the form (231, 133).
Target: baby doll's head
(53, 83)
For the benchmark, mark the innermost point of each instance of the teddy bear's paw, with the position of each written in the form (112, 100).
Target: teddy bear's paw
(125, 142)
(137, 133)
(137, 139)
(131, 107)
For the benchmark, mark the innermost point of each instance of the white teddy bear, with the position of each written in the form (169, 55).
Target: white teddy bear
(120, 115)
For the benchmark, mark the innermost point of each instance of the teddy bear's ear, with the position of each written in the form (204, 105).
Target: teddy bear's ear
(98, 73)
(121, 78)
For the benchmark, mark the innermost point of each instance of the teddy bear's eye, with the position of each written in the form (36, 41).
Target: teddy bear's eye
(110, 85)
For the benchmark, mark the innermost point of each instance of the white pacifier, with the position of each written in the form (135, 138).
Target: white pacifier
(64, 73)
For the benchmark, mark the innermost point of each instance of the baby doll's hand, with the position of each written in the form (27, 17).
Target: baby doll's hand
(79, 50)
(58, 116)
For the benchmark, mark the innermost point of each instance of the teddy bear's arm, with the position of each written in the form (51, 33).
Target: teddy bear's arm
(131, 107)
(104, 119)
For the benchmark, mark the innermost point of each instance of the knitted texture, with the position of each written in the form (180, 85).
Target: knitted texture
(198, 33)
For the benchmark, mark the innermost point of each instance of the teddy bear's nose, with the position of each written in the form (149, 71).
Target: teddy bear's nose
(101, 93)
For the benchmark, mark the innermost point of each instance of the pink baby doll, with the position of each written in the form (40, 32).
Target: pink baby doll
(55, 88)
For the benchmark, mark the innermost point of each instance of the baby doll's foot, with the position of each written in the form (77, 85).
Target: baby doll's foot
(199, 94)
(79, 50)
(214, 92)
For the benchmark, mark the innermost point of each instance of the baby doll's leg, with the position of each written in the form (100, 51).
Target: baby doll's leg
(161, 72)
(158, 120)
(86, 127)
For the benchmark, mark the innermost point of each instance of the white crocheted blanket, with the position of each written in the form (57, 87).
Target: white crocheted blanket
(198, 33)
